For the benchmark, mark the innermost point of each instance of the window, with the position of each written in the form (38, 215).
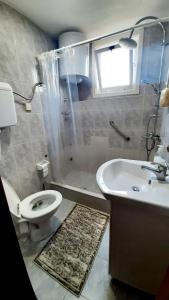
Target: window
(116, 70)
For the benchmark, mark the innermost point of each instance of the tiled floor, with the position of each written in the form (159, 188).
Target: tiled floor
(98, 285)
(83, 180)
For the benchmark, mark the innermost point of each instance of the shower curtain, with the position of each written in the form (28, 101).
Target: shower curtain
(52, 106)
(76, 142)
(60, 99)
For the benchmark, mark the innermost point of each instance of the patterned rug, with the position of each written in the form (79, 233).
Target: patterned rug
(69, 253)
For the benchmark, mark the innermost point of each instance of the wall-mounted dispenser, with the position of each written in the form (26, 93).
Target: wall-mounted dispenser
(7, 106)
(43, 168)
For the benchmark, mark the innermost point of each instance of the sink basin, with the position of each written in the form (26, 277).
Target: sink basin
(125, 178)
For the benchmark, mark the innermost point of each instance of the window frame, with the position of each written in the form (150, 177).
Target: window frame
(99, 46)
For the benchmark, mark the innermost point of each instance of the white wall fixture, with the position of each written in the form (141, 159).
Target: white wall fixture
(43, 168)
(7, 106)
(78, 63)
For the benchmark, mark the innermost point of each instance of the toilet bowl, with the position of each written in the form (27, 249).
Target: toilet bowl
(34, 212)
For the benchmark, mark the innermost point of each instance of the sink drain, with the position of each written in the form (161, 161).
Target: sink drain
(135, 188)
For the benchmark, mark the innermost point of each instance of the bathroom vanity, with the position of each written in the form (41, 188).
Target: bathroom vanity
(139, 223)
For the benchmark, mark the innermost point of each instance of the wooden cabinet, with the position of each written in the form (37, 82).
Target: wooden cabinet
(139, 244)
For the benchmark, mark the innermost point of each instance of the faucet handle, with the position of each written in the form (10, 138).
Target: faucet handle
(162, 164)
(167, 164)
(163, 167)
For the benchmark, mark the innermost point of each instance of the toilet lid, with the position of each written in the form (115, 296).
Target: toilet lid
(12, 197)
(40, 204)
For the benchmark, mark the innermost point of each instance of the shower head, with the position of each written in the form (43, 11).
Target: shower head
(130, 43)
(127, 43)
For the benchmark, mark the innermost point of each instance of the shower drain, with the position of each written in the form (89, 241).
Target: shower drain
(135, 188)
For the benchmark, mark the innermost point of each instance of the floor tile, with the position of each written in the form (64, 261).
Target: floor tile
(70, 296)
(40, 279)
(98, 285)
(51, 290)
(103, 251)
(83, 180)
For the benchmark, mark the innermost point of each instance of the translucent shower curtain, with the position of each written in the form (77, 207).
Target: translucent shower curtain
(61, 117)
(76, 142)
(52, 107)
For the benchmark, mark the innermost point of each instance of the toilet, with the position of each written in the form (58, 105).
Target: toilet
(33, 214)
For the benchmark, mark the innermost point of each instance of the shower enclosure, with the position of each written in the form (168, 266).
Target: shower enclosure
(79, 114)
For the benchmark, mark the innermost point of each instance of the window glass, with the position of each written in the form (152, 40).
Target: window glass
(116, 70)
(114, 67)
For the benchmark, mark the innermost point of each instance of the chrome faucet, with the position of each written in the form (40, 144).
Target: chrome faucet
(160, 172)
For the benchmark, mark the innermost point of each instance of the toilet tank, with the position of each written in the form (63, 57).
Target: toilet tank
(76, 64)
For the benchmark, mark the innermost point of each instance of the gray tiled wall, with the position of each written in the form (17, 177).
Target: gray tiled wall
(99, 141)
(25, 144)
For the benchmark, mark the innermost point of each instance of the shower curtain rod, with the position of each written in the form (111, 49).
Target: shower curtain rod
(165, 19)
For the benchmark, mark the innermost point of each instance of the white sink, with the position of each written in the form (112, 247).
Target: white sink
(125, 178)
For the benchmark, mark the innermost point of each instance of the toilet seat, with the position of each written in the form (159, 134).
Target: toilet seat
(38, 205)
(33, 214)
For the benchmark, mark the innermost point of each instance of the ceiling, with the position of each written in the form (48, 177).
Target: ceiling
(94, 17)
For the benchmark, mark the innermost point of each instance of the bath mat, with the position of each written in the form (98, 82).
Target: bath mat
(69, 254)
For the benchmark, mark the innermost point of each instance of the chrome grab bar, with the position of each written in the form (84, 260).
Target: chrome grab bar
(125, 137)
